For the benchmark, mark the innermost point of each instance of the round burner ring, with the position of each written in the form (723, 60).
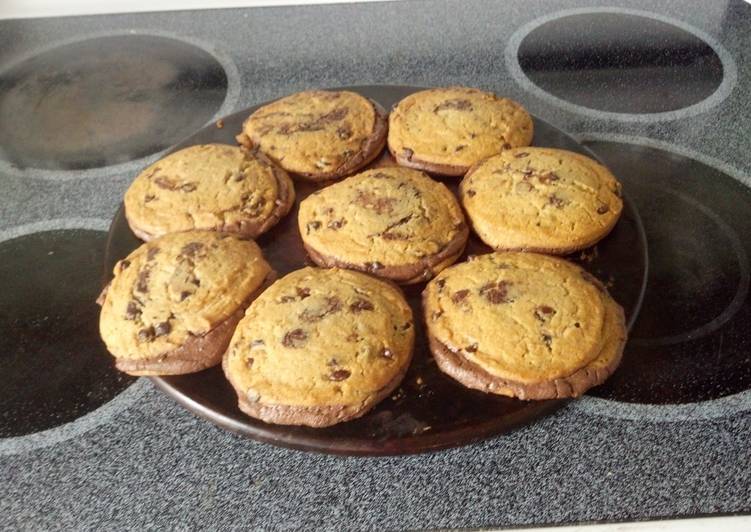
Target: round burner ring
(722, 407)
(100, 415)
(729, 80)
(128, 167)
(743, 285)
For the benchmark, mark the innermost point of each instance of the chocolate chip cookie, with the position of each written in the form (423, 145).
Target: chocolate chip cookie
(541, 199)
(523, 325)
(392, 222)
(318, 135)
(319, 347)
(212, 186)
(447, 130)
(173, 303)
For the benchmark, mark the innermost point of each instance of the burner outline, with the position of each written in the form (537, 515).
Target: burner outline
(740, 296)
(723, 407)
(99, 416)
(230, 100)
(729, 68)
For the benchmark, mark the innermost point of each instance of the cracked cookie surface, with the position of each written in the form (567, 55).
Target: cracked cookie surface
(320, 346)
(447, 130)
(318, 134)
(212, 187)
(523, 325)
(541, 199)
(392, 222)
(175, 291)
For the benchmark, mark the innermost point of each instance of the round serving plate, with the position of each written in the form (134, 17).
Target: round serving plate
(429, 410)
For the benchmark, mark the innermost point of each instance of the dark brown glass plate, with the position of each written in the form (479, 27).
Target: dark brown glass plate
(429, 410)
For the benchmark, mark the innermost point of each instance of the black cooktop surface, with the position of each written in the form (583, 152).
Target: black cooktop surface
(660, 92)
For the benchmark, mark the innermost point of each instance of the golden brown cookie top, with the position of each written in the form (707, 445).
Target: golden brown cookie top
(447, 130)
(390, 216)
(519, 316)
(320, 337)
(210, 186)
(318, 134)
(175, 287)
(541, 199)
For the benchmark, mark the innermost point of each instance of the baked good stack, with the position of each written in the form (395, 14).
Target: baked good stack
(323, 345)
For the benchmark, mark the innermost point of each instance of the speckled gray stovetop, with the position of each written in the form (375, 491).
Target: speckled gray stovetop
(142, 461)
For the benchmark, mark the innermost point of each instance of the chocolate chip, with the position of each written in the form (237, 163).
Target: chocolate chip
(408, 153)
(162, 328)
(521, 155)
(132, 311)
(142, 285)
(602, 209)
(249, 362)
(313, 225)
(544, 313)
(387, 353)
(496, 293)
(303, 292)
(460, 147)
(547, 340)
(190, 249)
(440, 283)
(146, 335)
(294, 338)
(360, 305)
(314, 125)
(577, 324)
(152, 253)
(548, 178)
(332, 305)
(339, 375)
(558, 202)
(459, 296)
(124, 264)
(344, 132)
(471, 348)
(459, 105)
(184, 295)
(506, 146)
(471, 193)
(337, 224)
(379, 204)
(165, 183)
